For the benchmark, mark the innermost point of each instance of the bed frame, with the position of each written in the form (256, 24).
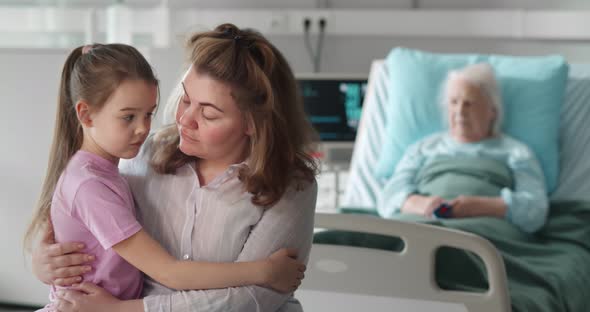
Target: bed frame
(352, 271)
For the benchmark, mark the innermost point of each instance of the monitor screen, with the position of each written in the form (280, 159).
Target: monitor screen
(334, 105)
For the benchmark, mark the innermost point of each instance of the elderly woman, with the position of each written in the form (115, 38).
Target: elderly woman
(472, 168)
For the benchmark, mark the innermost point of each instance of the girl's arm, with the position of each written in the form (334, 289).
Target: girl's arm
(280, 271)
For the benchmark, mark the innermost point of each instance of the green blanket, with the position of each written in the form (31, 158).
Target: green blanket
(471, 176)
(547, 271)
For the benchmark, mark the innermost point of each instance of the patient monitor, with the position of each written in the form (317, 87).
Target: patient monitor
(333, 103)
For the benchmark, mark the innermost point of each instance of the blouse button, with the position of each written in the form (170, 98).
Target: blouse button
(186, 257)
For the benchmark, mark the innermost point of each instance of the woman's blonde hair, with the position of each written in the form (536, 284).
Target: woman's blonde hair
(266, 92)
(91, 73)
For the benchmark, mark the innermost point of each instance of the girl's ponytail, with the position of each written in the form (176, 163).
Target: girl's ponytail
(67, 139)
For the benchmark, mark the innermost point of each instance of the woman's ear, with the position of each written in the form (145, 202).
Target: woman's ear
(83, 113)
(250, 126)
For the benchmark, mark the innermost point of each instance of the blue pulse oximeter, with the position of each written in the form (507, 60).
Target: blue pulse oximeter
(443, 211)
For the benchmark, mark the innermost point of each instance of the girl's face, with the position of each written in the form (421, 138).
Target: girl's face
(122, 125)
(210, 124)
(471, 115)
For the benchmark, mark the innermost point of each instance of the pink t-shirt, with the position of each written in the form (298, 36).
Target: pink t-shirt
(93, 204)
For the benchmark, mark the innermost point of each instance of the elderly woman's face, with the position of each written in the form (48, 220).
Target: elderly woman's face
(470, 114)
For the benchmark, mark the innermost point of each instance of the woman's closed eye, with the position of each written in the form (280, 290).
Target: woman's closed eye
(208, 114)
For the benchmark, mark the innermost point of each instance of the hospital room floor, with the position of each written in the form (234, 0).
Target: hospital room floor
(12, 309)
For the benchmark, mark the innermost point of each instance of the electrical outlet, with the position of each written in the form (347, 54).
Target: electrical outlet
(278, 22)
(299, 18)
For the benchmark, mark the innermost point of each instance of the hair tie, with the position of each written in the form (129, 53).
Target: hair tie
(87, 48)
(229, 33)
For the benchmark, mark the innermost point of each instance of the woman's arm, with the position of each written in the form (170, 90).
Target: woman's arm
(88, 297)
(527, 203)
(287, 224)
(400, 187)
(279, 271)
(421, 205)
(59, 264)
(111, 221)
(478, 206)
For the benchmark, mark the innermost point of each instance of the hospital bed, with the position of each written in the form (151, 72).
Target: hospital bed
(378, 280)
(351, 276)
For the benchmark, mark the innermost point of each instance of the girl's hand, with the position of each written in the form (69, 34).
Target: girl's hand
(422, 205)
(284, 273)
(59, 264)
(86, 297)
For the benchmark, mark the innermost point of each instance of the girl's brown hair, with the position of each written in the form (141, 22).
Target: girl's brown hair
(266, 92)
(90, 73)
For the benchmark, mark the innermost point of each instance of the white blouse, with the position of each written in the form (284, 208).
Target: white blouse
(217, 223)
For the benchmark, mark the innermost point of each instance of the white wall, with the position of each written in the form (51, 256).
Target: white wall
(28, 86)
(354, 54)
(504, 4)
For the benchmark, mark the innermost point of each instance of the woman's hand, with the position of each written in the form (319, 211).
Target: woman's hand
(86, 297)
(478, 206)
(59, 264)
(422, 205)
(284, 273)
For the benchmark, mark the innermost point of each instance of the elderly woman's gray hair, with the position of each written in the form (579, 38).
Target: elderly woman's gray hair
(482, 76)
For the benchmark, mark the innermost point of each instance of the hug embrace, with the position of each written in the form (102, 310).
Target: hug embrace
(216, 208)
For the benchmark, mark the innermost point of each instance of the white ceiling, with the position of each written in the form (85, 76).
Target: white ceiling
(273, 4)
(171, 3)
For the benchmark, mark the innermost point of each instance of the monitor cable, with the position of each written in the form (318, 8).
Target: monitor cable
(315, 56)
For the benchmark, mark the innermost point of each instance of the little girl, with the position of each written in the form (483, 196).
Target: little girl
(108, 95)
